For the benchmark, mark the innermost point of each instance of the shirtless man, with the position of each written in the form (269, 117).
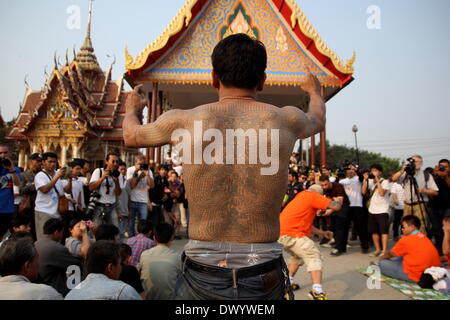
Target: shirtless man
(234, 221)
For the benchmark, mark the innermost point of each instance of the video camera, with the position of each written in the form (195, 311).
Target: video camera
(410, 167)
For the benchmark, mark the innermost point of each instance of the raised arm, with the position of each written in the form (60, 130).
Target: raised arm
(154, 134)
(312, 122)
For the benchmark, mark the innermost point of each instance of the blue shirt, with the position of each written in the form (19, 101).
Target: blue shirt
(6, 190)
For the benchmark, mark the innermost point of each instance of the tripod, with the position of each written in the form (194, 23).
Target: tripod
(414, 187)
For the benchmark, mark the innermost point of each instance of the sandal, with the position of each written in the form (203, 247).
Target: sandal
(375, 254)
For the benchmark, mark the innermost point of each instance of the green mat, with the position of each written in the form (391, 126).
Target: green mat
(411, 290)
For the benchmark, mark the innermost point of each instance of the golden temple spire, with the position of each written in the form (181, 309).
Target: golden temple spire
(86, 57)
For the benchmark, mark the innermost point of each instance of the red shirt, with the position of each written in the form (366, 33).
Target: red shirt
(418, 254)
(297, 217)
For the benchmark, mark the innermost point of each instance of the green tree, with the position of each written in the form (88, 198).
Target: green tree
(338, 154)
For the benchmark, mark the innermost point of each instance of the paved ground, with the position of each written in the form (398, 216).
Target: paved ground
(341, 281)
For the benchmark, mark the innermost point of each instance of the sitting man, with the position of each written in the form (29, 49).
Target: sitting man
(296, 223)
(446, 241)
(142, 241)
(54, 258)
(103, 268)
(18, 269)
(160, 266)
(108, 232)
(413, 253)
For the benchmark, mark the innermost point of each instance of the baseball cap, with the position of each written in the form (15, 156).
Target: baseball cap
(36, 156)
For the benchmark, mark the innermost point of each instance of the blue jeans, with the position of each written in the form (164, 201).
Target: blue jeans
(393, 268)
(193, 285)
(139, 210)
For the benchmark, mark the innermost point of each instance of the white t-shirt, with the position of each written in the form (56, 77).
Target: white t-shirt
(77, 193)
(17, 196)
(379, 204)
(353, 189)
(140, 192)
(398, 189)
(47, 202)
(105, 198)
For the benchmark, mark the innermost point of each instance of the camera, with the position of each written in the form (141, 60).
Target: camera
(410, 167)
(442, 168)
(4, 162)
(115, 173)
(144, 166)
(371, 176)
(95, 196)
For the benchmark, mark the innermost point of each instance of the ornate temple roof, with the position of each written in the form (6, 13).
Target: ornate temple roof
(181, 54)
(93, 100)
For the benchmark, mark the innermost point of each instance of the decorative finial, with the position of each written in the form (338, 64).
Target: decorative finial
(26, 82)
(87, 45)
(45, 71)
(74, 54)
(67, 57)
(54, 60)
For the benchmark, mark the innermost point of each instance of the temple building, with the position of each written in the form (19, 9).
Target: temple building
(175, 69)
(77, 114)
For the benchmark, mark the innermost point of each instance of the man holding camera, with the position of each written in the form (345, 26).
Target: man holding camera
(440, 205)
(49, 189)
(141, 180)
(9, 177)
(416, 200)
(105, 182)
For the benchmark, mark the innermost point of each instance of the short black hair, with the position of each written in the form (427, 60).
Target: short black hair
(100, 254)
(125, 252)
(121, 163)
(73, 223)
(412, 221)
(112, 154)
(239, 61)
(377, 167)
(75, 163)
(144, 226)
(294, 174)
(47, 155)
(324, 178)
(107, 232)
(164, 233)
(444, 161)
(19, 220)
(52, 225)
(14, 254)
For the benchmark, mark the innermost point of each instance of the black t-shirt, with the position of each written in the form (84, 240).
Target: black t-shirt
(293, 190)
(157, 193)
(338, 191)
(442, 200)
(130, 275)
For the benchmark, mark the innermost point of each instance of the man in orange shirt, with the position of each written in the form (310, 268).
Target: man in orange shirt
(413, 253)
(296, 224)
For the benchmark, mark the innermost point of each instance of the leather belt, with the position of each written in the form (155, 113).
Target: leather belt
(232, 273)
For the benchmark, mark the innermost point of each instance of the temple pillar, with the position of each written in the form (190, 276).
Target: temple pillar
(34, 148)
(323, 148)
(63, 155)
(313, 151)
(75, 151)
(21, 162)
(26, 162)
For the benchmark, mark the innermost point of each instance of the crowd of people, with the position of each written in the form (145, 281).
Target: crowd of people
(375, 206)
(94, 222)
(80, 232)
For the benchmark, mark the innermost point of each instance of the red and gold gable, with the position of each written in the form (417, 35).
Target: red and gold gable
(185, 56)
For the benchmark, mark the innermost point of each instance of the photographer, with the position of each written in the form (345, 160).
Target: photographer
(141, 180)
(353, 188)
(377, 190)
(416, 200)
(9, 176)
(440, 205)
(49, 189)
(106, 182)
